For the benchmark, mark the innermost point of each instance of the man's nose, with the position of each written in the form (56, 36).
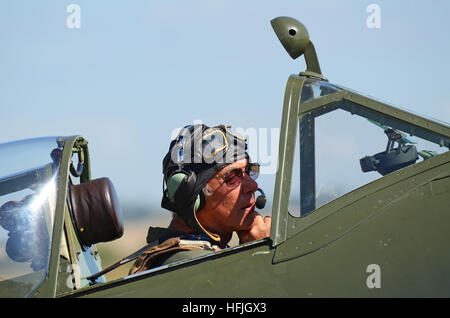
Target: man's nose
(248, 184)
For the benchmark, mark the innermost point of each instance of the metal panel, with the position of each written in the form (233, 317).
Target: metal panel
(337, 218)
(283, 178)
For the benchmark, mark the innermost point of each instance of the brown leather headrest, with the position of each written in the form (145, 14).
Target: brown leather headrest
(96, 212)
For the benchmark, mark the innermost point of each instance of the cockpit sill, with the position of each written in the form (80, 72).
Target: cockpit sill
(261, 247)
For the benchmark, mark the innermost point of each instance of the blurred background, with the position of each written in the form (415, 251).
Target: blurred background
(126, 74)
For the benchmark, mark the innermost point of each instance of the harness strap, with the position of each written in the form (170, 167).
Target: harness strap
(144, 261)
(125, 260)
(148, 253)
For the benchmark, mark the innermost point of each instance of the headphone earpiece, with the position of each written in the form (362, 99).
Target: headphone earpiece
(199, 202)
(180, 186)
(174, 182)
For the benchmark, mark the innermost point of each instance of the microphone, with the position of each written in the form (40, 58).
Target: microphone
(260, 200)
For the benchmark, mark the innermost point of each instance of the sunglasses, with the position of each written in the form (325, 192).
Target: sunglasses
(234, 177)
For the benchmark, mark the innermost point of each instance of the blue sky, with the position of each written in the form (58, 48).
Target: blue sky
(136, 70)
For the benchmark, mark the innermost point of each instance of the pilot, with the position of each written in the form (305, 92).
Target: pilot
(210, 188)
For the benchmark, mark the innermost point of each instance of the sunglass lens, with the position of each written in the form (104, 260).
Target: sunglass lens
(234, 178)
(253, 170)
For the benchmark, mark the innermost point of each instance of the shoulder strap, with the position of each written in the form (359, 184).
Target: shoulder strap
(147, 258)
(125, 260)
(149, 252)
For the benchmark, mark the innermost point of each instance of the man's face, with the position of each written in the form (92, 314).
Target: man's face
(230, 207)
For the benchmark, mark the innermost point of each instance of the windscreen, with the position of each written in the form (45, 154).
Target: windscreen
(28, 188)
(344, 146)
